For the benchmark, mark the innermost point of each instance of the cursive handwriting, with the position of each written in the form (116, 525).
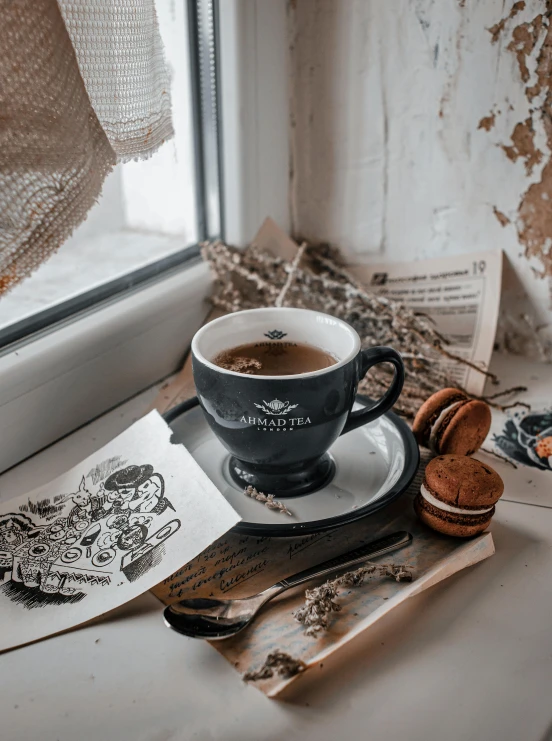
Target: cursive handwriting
(227, 584)
(306, 542)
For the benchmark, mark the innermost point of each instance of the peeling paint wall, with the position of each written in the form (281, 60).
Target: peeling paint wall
(423, 128)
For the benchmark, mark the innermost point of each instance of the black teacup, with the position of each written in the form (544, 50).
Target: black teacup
(278, 429)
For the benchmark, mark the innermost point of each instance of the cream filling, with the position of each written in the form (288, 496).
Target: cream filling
(428, 496)
(435, 427)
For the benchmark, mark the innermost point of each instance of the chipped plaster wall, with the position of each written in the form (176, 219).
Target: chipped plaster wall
(424, 128)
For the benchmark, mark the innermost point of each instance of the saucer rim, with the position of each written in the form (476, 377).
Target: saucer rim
(290, 530)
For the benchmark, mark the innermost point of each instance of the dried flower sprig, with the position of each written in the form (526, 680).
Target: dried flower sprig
(318, 279)
(284, 664)
(320, 601)
(491, 400)
(268, 500)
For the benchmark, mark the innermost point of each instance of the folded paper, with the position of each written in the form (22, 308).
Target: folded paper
(109, 529)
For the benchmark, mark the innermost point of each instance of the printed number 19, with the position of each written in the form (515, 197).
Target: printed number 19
(478, 268)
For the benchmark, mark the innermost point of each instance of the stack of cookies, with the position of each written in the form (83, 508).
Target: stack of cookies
(449, 422)
(458, 493)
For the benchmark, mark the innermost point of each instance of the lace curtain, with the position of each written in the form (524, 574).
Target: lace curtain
(83, 85)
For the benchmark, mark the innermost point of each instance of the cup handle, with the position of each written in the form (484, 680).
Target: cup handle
(368, 358)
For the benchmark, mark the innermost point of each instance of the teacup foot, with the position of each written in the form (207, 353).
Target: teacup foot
(286, 483)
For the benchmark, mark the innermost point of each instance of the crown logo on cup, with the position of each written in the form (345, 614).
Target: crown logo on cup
(276, 406)
(275, 334)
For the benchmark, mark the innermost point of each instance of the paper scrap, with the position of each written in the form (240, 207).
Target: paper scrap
(107, 530)
(460, 294)
(275, 241)
(239, 566)
(521, 436)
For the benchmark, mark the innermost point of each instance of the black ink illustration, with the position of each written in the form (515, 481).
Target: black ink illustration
(138, 489)
(149, 553)
(528, 439)
(45, 508)
(56, 550)
(102, 470)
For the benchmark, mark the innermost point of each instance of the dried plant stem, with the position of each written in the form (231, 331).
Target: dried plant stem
(320, 601)
(317, 279)
(508, 392)
(475, 367)
(491, 399)
(291, 274)
(268, 500)
(284, 664)
(505, 407)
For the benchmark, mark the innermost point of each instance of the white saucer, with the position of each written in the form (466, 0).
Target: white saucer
(374, 465)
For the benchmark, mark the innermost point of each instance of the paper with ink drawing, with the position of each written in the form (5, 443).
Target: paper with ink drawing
(104, 532)
(522, 436)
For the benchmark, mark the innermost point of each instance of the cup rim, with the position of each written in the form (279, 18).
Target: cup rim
(288, 309)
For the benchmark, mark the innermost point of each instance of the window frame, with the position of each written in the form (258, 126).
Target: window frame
(95, 352)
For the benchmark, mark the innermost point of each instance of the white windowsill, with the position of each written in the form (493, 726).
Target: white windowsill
(64, 378)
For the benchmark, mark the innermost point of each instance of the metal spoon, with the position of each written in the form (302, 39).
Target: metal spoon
(215, 619)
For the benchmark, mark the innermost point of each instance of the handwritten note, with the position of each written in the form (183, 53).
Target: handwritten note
(239, 566)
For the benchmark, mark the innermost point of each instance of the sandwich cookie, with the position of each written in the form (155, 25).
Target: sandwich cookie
(449, 422)
(458, 495)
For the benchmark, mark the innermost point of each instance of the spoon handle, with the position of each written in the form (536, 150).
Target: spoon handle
(358, 555)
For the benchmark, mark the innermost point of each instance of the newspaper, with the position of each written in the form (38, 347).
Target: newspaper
(460, 294)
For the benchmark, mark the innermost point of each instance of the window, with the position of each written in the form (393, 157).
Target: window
(151, 213)
(66, 358)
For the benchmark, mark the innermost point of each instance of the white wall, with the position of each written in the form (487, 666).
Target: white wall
(255, 115)
(390, 156)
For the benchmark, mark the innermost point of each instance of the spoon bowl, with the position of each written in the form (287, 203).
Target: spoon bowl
(214, 619)
(210, 629)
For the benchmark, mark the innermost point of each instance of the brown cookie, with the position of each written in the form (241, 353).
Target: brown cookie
(449, 422)
(458, 495)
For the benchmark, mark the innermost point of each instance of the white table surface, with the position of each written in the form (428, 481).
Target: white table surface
(471, 659)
